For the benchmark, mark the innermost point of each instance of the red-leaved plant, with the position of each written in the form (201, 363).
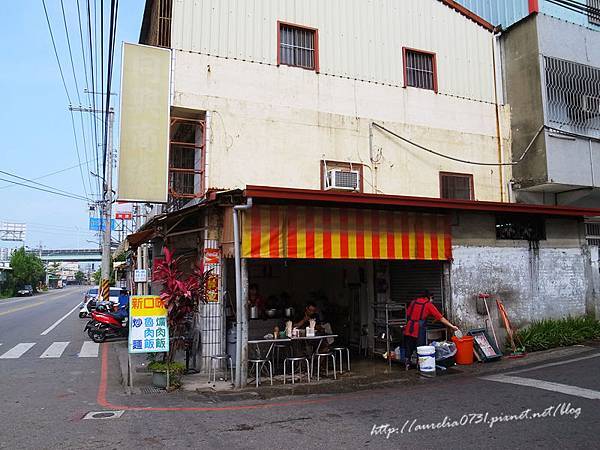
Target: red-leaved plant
(181, 296)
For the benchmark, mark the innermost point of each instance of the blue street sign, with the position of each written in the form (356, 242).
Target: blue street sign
(95, 224)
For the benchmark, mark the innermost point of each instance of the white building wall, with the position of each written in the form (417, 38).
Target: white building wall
(273, 125)
(358, 39)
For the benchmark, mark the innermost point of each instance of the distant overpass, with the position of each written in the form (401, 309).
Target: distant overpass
(70, 255)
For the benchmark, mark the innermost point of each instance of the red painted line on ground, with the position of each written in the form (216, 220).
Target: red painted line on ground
(102, 401)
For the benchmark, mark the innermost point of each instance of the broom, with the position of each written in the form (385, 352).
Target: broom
(517, 352)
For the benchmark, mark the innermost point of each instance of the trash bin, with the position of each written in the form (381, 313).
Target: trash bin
(231, 342)
(464, 350)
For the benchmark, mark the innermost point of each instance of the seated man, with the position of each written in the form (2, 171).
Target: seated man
(311, 311)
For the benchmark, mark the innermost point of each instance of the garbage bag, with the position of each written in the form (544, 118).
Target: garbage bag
(444, 350)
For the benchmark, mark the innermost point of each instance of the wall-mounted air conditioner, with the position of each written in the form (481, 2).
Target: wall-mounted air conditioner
(342, 179)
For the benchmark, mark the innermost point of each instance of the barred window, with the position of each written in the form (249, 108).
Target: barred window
(592, 233)
(573, 96)
(594, 12)
(420, 69)
(298, 46)
(456, 186)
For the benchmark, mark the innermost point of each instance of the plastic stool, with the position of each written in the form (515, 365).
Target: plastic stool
(341, 350)
(326, 356)
(219, 360)
(299, 360)
(259, 365)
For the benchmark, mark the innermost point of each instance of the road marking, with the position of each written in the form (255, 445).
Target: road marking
(559, 363)
(545, 385)
(89, 350)
(55, 324)
(20, 308)
(55, 350)
(17, 351)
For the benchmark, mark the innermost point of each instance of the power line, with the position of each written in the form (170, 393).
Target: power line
(62, 76)
(62, 7)
(45, 190)
(84, 60)
(39, 184)
(52, 173)
(78, 156)
(464, 161)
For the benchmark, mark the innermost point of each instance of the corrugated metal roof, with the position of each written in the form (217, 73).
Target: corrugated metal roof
(358, 39)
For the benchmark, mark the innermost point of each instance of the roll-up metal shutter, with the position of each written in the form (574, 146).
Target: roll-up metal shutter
(409, 278)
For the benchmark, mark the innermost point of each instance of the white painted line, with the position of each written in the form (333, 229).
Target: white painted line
(89, 349)
(55, 324)
(546, 385)
(559, 363)
(55, 350)
(17, 351)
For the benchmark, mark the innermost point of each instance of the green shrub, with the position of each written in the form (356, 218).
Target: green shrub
(175, 367)
(551, 333)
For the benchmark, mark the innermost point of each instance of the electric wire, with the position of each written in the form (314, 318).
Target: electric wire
(62, 7)
(87, 88)
(464, 161)
(51, 173)
(76, 197)
(40, 184)
(62, 76)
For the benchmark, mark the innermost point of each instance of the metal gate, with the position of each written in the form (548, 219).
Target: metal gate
(409, 278)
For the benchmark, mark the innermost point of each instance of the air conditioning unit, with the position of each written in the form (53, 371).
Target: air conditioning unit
(590, 105)
(347, 180)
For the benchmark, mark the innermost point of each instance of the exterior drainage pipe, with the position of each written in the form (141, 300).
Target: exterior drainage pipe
(239, 303)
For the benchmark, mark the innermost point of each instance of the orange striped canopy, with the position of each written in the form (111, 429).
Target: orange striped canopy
(270, 231)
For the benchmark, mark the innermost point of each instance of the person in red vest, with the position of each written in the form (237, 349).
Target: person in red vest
(419, 310)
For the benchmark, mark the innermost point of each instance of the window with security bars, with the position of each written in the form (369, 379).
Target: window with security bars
(456, 186)
(573, 96)
(420, 69)
(592, 233)
(594, 12)
(298, 47)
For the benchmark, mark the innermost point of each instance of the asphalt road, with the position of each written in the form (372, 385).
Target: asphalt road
(45, 399)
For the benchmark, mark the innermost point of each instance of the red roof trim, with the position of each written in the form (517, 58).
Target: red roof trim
(351, 198)
(469, 14)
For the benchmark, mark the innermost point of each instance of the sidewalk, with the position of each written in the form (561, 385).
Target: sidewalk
(365, 375)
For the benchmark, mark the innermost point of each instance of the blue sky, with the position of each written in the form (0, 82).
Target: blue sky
(35, 123)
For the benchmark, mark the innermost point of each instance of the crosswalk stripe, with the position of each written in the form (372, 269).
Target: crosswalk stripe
(55, 350)
(17, 351)
(89, 350)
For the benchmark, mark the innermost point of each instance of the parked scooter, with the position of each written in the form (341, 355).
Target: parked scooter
(107, 325)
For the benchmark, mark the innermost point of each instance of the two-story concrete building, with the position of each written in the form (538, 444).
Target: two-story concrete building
(365, 149)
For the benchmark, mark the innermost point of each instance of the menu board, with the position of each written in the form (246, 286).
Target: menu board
(148, 329)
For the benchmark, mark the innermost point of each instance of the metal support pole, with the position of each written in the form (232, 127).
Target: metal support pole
(145, 265)
(244, 347)
(239, 303)
(138, 286)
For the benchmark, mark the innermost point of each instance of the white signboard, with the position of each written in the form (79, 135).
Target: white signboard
(140, 275)
(148, 329)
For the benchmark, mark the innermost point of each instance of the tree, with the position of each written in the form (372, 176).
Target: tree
(79, 276)
(27, 268)
(181, 295)
(97, 276)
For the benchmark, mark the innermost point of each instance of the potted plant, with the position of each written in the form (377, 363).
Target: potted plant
(165, 374)
(181, 296)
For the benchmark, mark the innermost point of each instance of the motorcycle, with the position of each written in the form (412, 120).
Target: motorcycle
(106, 325)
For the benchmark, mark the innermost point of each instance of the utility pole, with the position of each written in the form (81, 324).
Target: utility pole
(107, 206)
(106, 202)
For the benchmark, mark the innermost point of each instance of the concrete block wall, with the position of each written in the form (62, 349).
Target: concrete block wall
(532, 284)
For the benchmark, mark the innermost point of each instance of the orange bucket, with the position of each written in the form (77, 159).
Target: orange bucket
(464, 350)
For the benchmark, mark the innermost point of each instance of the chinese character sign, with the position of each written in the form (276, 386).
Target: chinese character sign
(148, 330)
